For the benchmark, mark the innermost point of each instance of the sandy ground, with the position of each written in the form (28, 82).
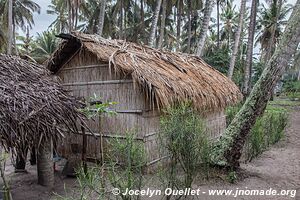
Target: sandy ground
(278, 168)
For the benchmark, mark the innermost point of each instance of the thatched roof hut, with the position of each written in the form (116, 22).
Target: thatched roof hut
(167, 77)
(34, 108)
(142, 80)
(32, 103)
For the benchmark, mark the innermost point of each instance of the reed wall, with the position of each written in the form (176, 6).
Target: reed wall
(84, 75)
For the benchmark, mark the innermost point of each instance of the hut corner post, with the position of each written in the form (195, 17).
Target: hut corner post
(45, 163)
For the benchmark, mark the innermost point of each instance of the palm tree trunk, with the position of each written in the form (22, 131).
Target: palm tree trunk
(189, 26)
(151, 40)
(101, 17)
(249, 54)
(163, 24)
(45, 163)
(218, 23)
(10, 26)
(121, 20)
(237, 39)
(179, 13)
(272, 42)
(70, 15)
(227, 150)
(142, 21)
(204, 28)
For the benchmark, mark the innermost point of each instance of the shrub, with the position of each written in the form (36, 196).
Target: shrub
(183, 137)
(267, 130)
(126, 162)
(292, 89)
(123, 170)
(231, 111)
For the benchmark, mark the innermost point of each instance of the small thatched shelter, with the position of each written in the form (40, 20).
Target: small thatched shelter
(34, 111)
(142, 80)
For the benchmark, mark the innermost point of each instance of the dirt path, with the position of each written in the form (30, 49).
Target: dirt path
(278, 168)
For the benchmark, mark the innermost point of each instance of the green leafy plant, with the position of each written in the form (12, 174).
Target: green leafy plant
(232, 177)
(90, 185)
(126, 162)
(95, 107)
(184, 140)
(5, 187)
(267, 130)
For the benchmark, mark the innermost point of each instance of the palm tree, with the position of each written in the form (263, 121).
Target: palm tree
(61, 23)
(163, 24)
(101, 17)
(3, 39)
(229, 17)
(269, 24)
(44, 45)
(228, 149)
(190, 29)
(249, 54)
(45, 163)
(10, 26)
(237, 39)
(154, 23)
(67, 14)
(219, 3)
(22, 16)
(204, 28)
(270, 50)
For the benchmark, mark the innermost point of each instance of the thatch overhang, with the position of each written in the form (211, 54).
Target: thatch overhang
(166, 77)
(33, 105)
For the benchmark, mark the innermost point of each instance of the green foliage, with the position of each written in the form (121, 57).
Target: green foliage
(232, 177)
(231, 111)
(292, 89)
(90, 185)
(123, 169)
(267, 130)
(126, 160)
(183, 137)
(44, 45)
(5, 188)
(94, 107)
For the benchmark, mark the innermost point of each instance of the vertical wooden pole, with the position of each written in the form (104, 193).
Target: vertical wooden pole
(84, 145)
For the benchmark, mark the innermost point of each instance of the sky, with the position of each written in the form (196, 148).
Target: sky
(43, 20)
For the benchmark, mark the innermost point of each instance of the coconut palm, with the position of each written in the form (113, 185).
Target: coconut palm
(61, 23)
(154, 23)
(163, 24)
(237, 39)
(269, 23)
(22, 16)
(229, 17)
(249, 54)
(204, 26)
(10, 26)
(219, 3)
(3, 39)
(44, 45)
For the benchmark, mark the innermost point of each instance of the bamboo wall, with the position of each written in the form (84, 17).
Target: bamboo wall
(84, 75)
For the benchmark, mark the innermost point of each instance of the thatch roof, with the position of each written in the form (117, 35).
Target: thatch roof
(167, 77)
(32, 104)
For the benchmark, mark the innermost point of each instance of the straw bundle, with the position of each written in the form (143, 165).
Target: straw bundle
(33, 106)
(166, 77)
